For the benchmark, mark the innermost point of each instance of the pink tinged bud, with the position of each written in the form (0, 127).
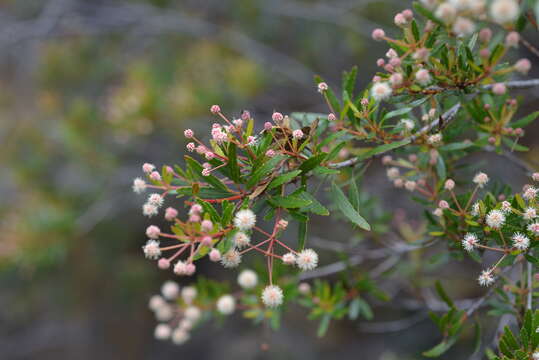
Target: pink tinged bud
(365, 102)
(238, 123)
(386, 160)
(395, 61)
(215, 255)
(486, 106)
(282, 224)
(206, 225)
(332, 117)
(443, 204)
(190, 269)
(297, 134)
(499, 89)
(485, 35)
(207, 241)
(153, 232)
(412, 157)
(399, 20)
(492, 140)
(389, 68)
(195, 209)
(398, 183)
(170, 213)
(535, 176)
(396, 79)
(422, 54)
(429, 26)
(245, 115)
(484, 53)
(376, 78)
(380, 62)
(523, 66)
(194, 218)
(215, 109)
(449, 184)
(206, 165)
(155, 176)
(169, 170)
(408, 14)
(188, 133)
(519, 132)
(163, 264)
(268, 125)
(512, 39)
(277, 117)
(378, 34)
(322, 87)
(270, 153)
(201, 149)
(206, 172)
(209, 155)
(148, 168)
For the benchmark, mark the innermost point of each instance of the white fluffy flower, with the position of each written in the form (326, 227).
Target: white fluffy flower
(462, 4)
(155, 199)
(289, 259)
(480, 179)
(189, 293)
(272, 296)
(407, 124)
(151, 249)
(486, 278)
(529, 213)
(434, 139)
(153, 231)
(520, 241)
(469, 242)
(164, 313)
(446, 13)
(192, 313)
(139, 185)
(226, 304)
(495, 219)
(535, 355)
(179, 336)
(231, 259)
(463, 26)
(245, 219)
(170, 290)
(162, 332)
(307, 259)
(156, 302)
(393, 173)
(149, 210)
(241, 240)
(247, 279)
(504, 11)
(423, 77)
(381, 91)
(534, 228)
(529, 193)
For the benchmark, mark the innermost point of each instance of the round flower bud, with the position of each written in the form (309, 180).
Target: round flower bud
(449, 184)
(247, 279)
(215, 109)
(378, 34)
(512, 39)
(215, 255)
(226, 304)
(499, 88)
(170, 290)
(523, 66)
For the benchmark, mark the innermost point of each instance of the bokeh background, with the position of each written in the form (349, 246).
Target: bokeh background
(91, 89)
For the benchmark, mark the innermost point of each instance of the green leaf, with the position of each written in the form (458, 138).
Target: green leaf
(443, 295)
(288, 202)
(315, 207)
(383, 148)
(196, 169)
(263, 170)
(525, 120)
(283, 179)
(353, 309)
(347, 209)
(312, 162)
(397, 112)
(233, 167)
(440, 348)
(324, 324)
(415, 30)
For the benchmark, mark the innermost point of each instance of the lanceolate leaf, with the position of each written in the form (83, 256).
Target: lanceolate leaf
(347, 209)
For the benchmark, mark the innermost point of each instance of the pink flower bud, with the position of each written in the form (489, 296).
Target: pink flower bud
(408, 14)
(297, 134)
(449, 184)
(389, 68)
(523, 66)
(277, 117)
(155, 176)
(485, 35)
(380, 62)
(376, 78)
(194, 218)
(395, 61)
(412, 157)
(153, 232)
(535, 176)
(215, 255)
(512, 39)
(207, 241)
(386, 159)
(245, 115)
(492, 140)
(209, 155)
(206, 225)
(484, 53)
(268, 125)
(443, 204)
(170, 213)
(365, 102)
(190, 269)
(215, 109)
(499, 89)
(378, 34)
(519, 132)
(332, 117)
(148, 168)
(188, 133)
(270, 153)
(399, 20)
(163, 264)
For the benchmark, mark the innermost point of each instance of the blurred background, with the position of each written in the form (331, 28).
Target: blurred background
(91, 89)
